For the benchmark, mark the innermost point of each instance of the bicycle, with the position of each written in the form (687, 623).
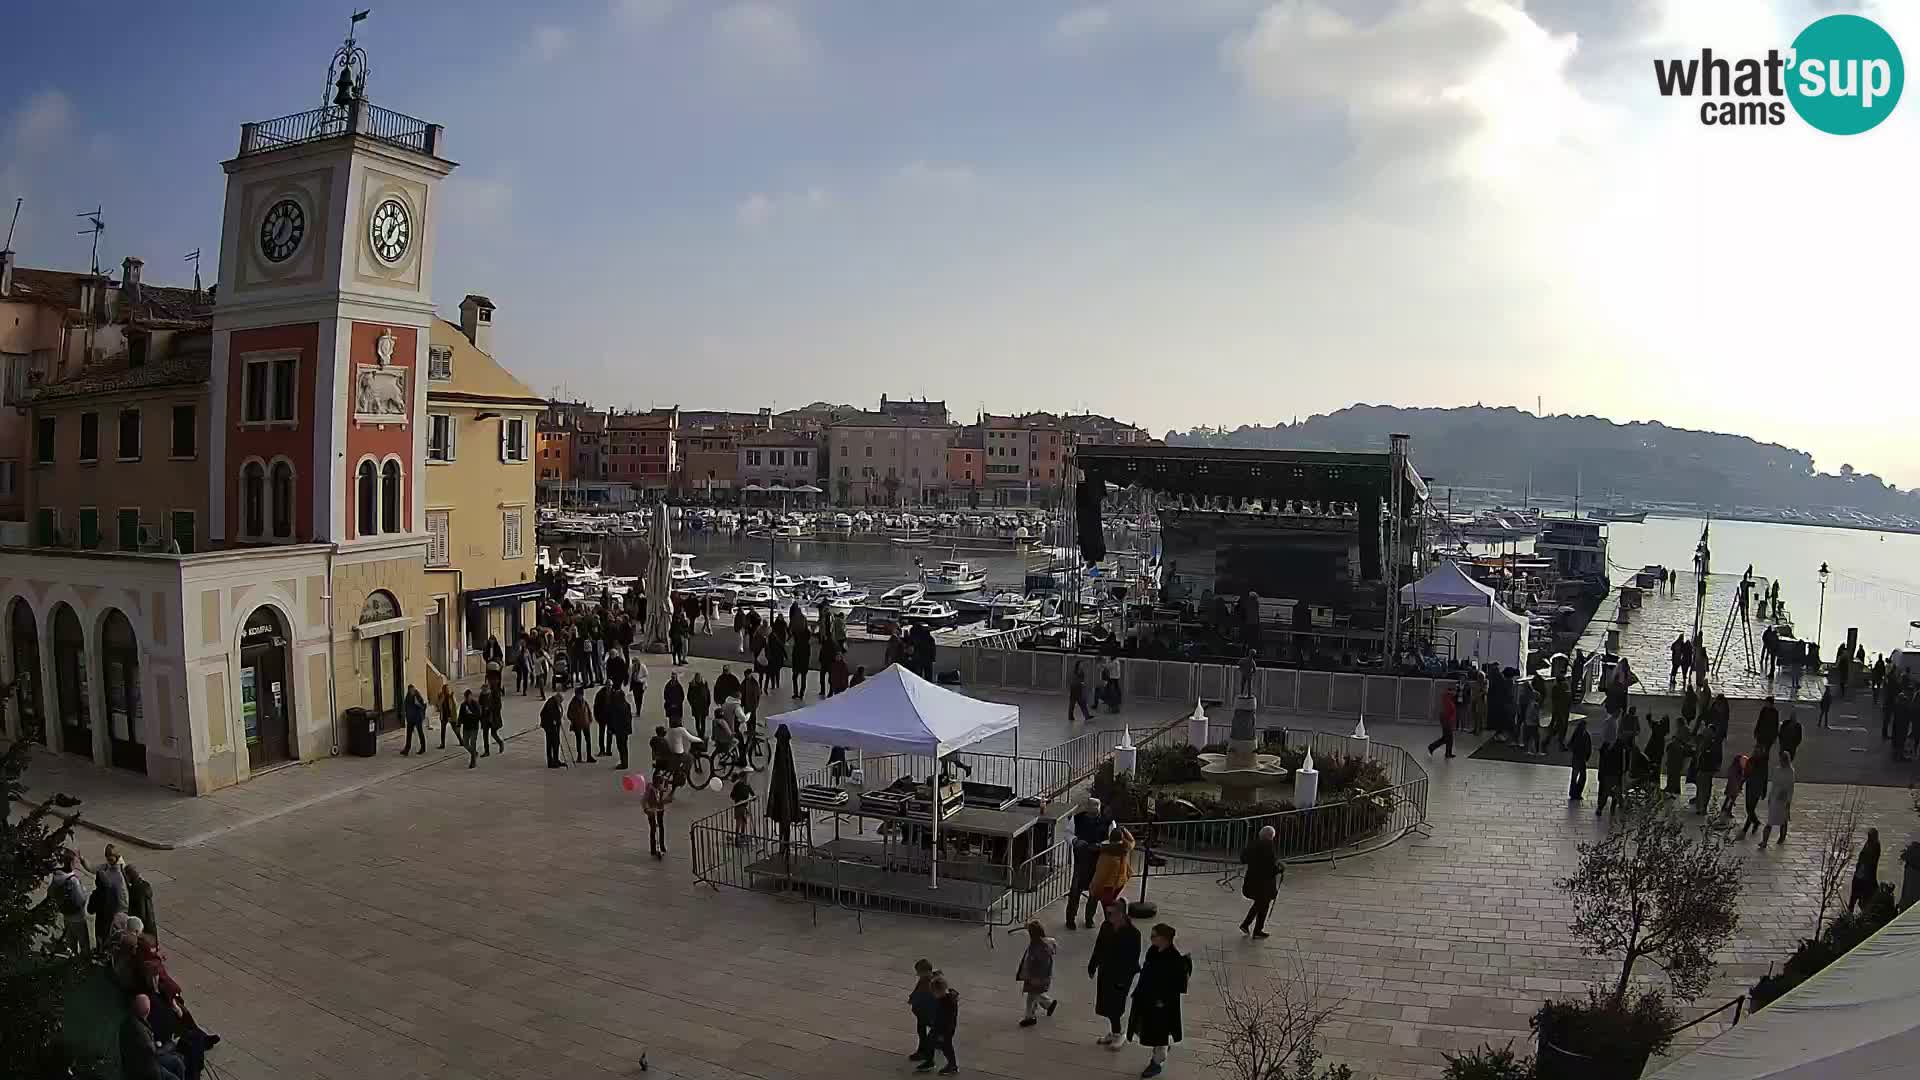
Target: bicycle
(748, 752)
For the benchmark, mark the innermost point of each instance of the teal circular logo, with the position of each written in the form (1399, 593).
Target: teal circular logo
(1846, 75)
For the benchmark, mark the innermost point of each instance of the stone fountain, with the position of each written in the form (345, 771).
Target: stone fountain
(1240, 772)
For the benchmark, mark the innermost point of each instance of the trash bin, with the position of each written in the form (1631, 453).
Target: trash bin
(362, 732)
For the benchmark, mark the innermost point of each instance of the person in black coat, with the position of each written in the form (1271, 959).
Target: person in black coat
(1155, 1019)
(552, 717)
(802, 656)
(602, 702)
(1578, 747)
(1262, 881)
(946, 1021)
(1115, 961)
(620, 722)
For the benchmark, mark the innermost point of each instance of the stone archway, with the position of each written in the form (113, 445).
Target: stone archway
(70, 682)
(120, 678)
(30, 716)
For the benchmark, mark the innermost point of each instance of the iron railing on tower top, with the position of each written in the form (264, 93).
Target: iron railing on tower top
(330, 121)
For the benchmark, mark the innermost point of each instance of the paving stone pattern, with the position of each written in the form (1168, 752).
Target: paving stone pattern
(507, 922)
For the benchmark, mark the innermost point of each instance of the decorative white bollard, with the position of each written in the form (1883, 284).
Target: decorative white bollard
(1306, 783)
(1359, 729)
(1197, 726)
(1125, 754)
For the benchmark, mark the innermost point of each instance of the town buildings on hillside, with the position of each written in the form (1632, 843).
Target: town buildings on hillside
(901, 452)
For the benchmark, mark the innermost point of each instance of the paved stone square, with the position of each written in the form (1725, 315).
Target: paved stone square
(507, 922)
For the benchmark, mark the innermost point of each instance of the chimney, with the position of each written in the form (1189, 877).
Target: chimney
(476, 321)
(6, 273)
(130, 281)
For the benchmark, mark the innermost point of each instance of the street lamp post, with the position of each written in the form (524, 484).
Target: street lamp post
(1820, 628)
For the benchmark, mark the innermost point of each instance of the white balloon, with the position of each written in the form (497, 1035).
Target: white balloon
(715, 784)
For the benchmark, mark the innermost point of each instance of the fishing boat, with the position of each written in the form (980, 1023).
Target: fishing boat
(953, 577)
(747, 573)
(681, 572)
(902, 595)
(931, 612)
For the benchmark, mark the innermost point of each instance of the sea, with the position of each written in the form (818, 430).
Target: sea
(1873, 585)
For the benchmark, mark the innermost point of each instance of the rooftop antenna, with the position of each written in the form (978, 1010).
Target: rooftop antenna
(194, 258)
(8, 246)
(95, 225)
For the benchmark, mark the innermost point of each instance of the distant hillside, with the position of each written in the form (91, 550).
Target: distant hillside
(1477, 446)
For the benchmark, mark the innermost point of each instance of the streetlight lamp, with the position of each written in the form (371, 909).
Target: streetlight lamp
(1820, 628)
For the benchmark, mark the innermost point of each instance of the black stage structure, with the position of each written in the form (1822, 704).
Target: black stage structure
(1296, 554)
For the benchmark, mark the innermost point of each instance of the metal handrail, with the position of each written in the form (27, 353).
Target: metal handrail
(330, 121)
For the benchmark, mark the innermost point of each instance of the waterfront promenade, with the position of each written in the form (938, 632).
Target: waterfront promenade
(416, 920)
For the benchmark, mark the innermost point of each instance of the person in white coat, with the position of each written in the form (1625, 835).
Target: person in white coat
(1779, 799)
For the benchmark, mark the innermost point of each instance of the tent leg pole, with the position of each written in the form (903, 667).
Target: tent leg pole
(934, 863)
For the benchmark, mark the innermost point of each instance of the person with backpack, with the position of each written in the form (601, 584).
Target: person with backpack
(70, 893)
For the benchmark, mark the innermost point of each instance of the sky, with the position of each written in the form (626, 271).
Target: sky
(1178, 212)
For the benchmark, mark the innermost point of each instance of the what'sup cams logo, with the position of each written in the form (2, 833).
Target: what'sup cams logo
(1843, 75)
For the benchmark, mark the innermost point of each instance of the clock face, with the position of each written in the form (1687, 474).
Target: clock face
(390, 230)
(281, 230)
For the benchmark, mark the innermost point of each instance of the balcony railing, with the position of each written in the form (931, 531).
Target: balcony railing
(331, 121)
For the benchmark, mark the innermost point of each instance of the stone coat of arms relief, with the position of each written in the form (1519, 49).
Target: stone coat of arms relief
(380, 388)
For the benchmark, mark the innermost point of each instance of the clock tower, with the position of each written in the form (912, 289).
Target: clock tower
(321, 326)
(318, 384)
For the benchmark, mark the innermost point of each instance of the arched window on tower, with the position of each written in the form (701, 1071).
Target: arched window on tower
(253, 498)
(282, 500)
(367, 496)
(390, 497)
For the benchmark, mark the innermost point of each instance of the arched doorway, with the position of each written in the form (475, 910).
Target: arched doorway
(32, 722)
(266, 694)
(70, 683)
(120, 672)
(385, 634)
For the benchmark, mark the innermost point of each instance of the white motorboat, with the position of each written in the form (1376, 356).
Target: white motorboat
(913, 540)
(825, 583)
(681, 572)
(1005, 601)
(931, 612)
(902, 595)
(747, 573)
(784, 582)
(843, 521)
(752, 595)
(953, 577)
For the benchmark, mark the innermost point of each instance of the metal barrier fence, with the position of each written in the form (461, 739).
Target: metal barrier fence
(1409, 698)
(866, 871)
(1358, 822)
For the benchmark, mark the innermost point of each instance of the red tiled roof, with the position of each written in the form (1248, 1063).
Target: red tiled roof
(160, 305)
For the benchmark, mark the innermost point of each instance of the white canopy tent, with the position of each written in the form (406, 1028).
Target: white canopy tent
(1492, 633)
(898, 712)
(1858, 1018)
(1446, 585)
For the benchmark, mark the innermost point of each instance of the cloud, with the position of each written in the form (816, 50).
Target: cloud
(765, 37)
(760, 208)
(44, 118)
(1082, 23)
(547, 42)
(641, 14)
(753, 211)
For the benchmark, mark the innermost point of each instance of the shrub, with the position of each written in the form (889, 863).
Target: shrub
(1486, 1063)
(1617, 1038)
(1163, 766)
(1839, 938)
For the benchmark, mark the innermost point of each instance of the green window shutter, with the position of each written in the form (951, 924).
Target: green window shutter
(183, 530)
(43, 527)
(129, 530)
(89, 528)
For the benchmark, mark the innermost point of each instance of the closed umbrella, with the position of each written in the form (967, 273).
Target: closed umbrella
(783, 791)
(659, 578)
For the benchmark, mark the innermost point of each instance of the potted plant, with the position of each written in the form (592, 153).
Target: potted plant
(1656, 889)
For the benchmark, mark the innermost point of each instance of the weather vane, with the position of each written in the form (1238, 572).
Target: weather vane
(347, 73)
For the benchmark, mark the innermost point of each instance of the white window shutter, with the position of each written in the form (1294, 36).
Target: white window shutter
(452, 428)
(503, 440)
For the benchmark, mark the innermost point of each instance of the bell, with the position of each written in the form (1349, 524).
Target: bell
(343, 94)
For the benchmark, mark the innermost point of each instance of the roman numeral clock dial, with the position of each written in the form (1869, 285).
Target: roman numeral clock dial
(281, 230)
(390, 230)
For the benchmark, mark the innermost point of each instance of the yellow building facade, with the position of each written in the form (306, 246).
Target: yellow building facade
(480, 478)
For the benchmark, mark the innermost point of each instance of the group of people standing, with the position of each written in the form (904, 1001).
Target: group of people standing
(790, 643)
(160, 1039)
(1143, 991)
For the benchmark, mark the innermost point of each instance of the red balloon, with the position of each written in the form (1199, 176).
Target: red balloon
(627, 782)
